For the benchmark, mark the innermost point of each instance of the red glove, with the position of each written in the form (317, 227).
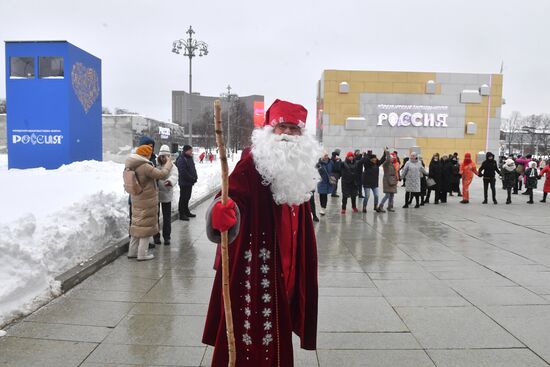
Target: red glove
(224, 216)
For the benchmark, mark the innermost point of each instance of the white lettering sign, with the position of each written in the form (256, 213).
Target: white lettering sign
(37, 137)
(413, 115)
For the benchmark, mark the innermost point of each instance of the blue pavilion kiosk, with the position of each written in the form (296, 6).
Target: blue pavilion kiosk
(53, 96)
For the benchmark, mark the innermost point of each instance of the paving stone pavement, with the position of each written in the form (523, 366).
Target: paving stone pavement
(445, 285)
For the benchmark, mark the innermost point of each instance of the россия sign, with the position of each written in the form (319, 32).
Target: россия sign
(413, 115)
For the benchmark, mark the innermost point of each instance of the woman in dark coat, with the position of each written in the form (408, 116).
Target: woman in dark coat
(455, 178)
(324, 187)
(435, 174)
(349, 182)
(509, 177)
(370, 179)
(446, 178)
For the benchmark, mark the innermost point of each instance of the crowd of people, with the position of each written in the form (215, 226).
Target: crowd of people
(359, 175)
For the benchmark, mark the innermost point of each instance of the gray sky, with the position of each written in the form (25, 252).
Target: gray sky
(280, 48)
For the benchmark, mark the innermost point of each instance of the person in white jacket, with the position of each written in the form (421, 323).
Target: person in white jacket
(166, 191)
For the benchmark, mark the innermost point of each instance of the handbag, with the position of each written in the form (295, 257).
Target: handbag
(332, 180)
(430, 182)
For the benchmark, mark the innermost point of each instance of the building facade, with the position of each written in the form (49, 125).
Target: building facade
(242, 113)
(427, 112)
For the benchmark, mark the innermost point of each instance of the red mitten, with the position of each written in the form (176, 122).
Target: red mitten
(224, 216)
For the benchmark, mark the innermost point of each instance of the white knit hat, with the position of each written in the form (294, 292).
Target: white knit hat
(164, 150)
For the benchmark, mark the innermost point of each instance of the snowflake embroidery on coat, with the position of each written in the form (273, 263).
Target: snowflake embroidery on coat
(247, 270)
(247, 311)
(264, 268)
(265, 283)
(247, 339)
(268, 325)
(266, 312)
(267, 339)
(247, 324)
(266, 297)
(247, 284)
(265, 254)
(247, 298)
(248, 255)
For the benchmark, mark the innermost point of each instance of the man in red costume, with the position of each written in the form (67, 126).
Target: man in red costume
(272, 250)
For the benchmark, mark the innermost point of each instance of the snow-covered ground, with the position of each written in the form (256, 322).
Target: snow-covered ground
(54, 219)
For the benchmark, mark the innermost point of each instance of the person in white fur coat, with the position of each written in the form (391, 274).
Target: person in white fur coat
(166, 192)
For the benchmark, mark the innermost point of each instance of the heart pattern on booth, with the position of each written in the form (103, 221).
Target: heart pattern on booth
(85, 85)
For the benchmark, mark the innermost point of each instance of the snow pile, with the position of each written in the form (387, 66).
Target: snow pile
(55, 219)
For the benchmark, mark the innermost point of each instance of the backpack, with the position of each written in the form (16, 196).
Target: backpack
(131, 183)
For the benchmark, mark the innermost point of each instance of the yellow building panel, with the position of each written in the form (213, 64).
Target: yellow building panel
(330, 75)
(342, 76)
(496, 101)
(420, 77)
(364, 76)
(497, 79)
(392, 76)
(377, 87)
(411, 88)
(355, 87)
(349, 110)
(496, 90)
(331, 86)
(438, 88)
(475, 111)
(346, 98)
(330, 97)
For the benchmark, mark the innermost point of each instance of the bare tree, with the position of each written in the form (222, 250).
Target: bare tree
(531, 126)
(544, 137)
(105, 110)
(512, 128)
(3, 108)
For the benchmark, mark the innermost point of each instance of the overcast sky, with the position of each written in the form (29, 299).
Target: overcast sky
(280, 48)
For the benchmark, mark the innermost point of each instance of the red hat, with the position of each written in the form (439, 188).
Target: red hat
(350, 154)
(283, 111)
(467, 156)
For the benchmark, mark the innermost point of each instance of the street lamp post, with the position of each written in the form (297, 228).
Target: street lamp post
(230, 97)
(189, 47)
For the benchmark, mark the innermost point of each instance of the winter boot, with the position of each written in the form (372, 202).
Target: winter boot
(322, 211)
(315, 218)
(343, 211)
(380, 209)
(355, 210)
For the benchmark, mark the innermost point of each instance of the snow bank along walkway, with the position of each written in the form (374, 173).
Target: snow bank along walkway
(446, 285)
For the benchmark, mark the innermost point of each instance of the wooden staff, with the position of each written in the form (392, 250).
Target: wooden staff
(225, 255)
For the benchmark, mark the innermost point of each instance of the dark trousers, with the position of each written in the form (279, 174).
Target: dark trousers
(530, 192)
(312, 204)
(409, 197)
(544, 195)
(486, 183)
(435, 189)
(345, 201)
(509, 194)
(443, 196)
(323, 199)
(166, 220)
(335, 187)
(185, 196)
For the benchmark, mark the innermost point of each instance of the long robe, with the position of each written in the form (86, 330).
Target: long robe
(273, 277)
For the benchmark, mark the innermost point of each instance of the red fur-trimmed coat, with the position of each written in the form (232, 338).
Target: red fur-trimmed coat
(263, 315)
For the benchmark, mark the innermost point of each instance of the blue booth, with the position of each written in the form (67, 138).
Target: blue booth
(53, 97)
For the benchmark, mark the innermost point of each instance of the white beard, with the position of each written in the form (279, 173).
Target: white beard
(287, 163)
